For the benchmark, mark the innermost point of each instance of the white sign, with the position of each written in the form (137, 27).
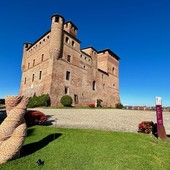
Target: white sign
(158, 101)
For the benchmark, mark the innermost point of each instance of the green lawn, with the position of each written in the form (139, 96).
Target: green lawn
(76, 149)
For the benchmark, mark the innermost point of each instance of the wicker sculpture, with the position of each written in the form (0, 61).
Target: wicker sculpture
(13, 129)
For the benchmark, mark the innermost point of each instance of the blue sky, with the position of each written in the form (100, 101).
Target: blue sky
(138, 31)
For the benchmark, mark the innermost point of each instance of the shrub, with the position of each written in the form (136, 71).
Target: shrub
(35, 118)
(92, 105)
(99, 101)
(119, 106)
(36, 101)
(66, 100)
(2, 101)
(146, 127)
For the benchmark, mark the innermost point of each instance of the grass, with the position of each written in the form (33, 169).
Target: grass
(80, 149)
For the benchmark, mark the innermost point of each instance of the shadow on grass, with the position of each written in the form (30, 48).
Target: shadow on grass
(33, 147)
(50, 120)
(30, 131)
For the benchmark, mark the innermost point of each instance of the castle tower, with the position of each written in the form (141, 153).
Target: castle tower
(71, 28)
(56, 36)
(26, 46)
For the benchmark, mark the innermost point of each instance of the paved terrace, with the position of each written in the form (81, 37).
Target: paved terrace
(104, 119)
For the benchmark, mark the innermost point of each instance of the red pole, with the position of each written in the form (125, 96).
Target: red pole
(159, 116)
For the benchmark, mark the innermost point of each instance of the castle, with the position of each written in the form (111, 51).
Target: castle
(56, 65)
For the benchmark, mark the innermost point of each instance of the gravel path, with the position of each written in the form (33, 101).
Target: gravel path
(105, 119)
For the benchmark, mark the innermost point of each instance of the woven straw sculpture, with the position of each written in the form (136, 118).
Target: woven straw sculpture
(13, 129)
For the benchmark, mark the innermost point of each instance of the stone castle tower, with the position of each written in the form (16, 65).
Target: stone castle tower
(56, 65)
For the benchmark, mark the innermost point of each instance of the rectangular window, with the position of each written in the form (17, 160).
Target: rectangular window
(25, 81)
(26, 45)
(94, 85)
(67, 75)
(33, 62)
(73, 43)
(68, 58)
(56, 19)
(28, 65)
(67, 40)
(32, 77)
(40, 75)
(42, 57)
(66, 90)
(75, 98)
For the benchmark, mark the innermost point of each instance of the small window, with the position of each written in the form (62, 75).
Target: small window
(57, 19)
(102, 76)
(67, 75)
(66, 90)
(33, 62)
(42, 57)
(69, 58)
(67, 40)
(73, 43)
(40, 75)
(113, 70)
(74, 28)
(25, 81)
(28, 65)
(32, 77)
(94, 85)
(103, 86)
(75, 98)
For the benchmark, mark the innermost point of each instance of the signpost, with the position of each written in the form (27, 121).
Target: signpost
(159, 116)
